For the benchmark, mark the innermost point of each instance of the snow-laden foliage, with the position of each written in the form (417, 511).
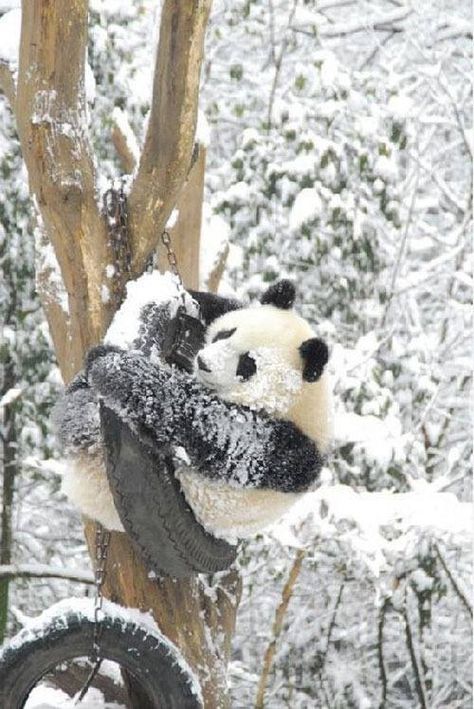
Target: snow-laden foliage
(340, 156)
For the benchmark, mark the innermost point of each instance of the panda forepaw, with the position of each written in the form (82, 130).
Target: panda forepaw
(99, 351)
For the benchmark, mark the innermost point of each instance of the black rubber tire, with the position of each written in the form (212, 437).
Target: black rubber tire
(153, 664)
(153, 509)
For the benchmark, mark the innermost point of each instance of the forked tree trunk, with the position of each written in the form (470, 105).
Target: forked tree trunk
(49, 104)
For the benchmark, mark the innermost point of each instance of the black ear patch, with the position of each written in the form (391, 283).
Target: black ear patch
(315, 356)
(213, 306)
(281, 294)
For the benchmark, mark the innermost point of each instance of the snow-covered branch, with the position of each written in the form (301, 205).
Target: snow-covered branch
(388, 22)
(32, 571)
(124, 140)
(52, 125)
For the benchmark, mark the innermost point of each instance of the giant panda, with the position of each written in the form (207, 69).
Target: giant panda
(253, 421)
(267, 358)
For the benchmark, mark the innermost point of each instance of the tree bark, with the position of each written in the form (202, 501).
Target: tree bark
(50, 108)
(10, 470)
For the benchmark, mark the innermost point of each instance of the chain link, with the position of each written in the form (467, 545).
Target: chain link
(172, 258)
(115, 209)
(102, 541)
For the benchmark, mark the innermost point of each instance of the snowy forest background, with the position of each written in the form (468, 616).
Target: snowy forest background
(339, 155)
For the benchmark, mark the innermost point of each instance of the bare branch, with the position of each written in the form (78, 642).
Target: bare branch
(125, 141)
(380, 628)
(386, 23)
(166, 156)
(215, 275)
(186, 234)
(278, 63)
(7, 82)
(454, 584)
(43, 571)
(414, 660)
(278, 625)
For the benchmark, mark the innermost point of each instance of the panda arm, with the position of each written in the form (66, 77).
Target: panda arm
(224, 441)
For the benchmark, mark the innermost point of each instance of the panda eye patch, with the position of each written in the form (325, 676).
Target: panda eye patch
(246, 367)
(224, 334)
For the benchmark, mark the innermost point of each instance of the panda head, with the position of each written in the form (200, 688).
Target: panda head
(264, 356)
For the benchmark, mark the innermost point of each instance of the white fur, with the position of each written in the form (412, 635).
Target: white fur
(86, 485)
(272, 337)
(231, 513)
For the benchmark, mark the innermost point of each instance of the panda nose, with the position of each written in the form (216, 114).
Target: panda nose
(202, 365)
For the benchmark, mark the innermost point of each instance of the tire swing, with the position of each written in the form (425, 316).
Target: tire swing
(67, 631)
(146, 491)
(153, 509)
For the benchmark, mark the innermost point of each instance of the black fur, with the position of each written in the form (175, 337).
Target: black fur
(246, 367)
(315, 356)
(167, 407)
(213, 306)
(224, 441)
(281, 294)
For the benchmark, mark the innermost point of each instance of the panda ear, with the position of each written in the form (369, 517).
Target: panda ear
(213, 306)
(315, 355)
(280, 294)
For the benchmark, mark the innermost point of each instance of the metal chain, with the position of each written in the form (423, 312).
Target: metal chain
(172, 258)
(102, 541)
(115, 209)
(173, 264)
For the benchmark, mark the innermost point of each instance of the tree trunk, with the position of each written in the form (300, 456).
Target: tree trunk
(9, 465)
(62, 177)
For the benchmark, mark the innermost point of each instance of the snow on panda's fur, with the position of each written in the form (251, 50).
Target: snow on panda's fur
(255, 420)
(256, 357)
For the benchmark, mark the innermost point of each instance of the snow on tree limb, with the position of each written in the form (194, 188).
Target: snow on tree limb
(388, 21)
(31, 571)
(167, 152)
(52, 124)
(124, 140)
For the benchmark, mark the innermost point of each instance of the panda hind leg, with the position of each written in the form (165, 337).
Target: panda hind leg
(86, 486)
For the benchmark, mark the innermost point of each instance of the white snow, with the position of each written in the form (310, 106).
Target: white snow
(380, 437)
(203, 130)
(10, 396)
(215, 234)
(44, 697)
(58, 613)
(425, 509)
(386, 168)
(306, 207)
(10, 26)
(172, 219)
(120, 119)
(90, 84)
(400, 106)
(149, 288)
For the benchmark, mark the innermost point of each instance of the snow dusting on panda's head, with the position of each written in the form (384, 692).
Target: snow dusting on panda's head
(252, 357)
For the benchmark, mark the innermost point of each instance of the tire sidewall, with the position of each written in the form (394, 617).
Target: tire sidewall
(153, 661)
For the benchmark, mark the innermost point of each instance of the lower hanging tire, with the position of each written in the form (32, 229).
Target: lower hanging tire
(66, 632)
(153, 509)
